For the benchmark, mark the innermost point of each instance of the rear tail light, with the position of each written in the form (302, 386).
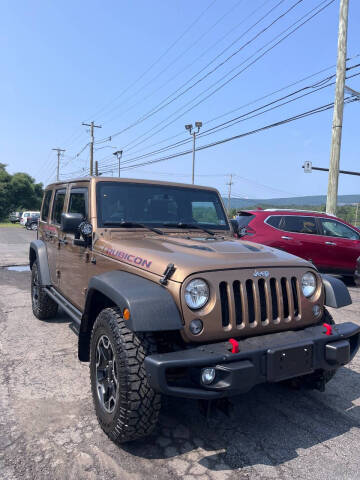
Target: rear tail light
(248, 231)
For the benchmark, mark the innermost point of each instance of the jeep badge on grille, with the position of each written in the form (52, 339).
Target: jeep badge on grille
(263, 273)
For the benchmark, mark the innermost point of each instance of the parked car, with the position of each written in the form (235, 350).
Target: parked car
(331, 244)
(14, 217)
(32, 222)
(166, 301)
(25, 215)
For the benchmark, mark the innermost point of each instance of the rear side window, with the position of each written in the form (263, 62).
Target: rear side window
(46, 206)
(299, 224)
(58, 206)
(274, 221)
(244, 218)
(78, 202)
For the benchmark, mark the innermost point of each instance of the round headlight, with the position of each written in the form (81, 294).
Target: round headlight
(196, 293)
(308, 284)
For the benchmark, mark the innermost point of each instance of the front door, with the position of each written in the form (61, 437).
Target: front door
(341, 246)
(74, 256)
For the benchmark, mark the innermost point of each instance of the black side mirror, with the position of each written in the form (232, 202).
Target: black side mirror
(70, 222)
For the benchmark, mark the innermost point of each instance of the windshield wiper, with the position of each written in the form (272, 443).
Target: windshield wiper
(188, 225)
(125, 224)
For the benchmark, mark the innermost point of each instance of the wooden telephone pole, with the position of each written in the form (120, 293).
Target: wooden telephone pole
(331, 201)
(230, 183)
(92, 126)
(58, 150)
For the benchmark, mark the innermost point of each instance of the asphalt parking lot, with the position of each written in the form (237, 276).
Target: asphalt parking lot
(48, 428)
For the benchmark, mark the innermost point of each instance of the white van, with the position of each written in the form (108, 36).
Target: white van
(25, 215)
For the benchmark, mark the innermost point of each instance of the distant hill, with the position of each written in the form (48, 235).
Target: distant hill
(311, 200)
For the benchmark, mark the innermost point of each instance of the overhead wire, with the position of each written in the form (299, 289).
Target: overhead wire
(208, 95)
(293, 118)
(194, 43)
(246, 116)
(161, 106)
(195, 61)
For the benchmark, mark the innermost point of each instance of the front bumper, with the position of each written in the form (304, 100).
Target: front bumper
(267, 358)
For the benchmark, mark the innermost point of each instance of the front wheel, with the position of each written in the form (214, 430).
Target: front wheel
(126, 406)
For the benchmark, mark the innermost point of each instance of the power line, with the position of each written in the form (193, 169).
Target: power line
(314, 111)
(75, 135)
(208, 95)
(242, 106)
(160, 106)
(247, 115)
(171, 46)
(196, 60)
(184, 52)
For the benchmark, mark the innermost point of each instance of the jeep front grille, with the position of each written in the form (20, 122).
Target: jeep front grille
(252, 303)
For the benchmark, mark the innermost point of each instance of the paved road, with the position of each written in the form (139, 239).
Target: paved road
(14, 245)
(48, 428)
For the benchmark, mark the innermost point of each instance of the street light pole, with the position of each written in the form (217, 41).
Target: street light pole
(189, 127)
(118, 154)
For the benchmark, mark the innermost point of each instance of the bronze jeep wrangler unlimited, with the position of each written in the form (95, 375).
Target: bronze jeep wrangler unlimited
(166, 301)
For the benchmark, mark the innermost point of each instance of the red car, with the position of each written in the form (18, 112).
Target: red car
(331, 244)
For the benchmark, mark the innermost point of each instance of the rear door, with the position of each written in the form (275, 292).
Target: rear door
(73, 256)
(341, 246)
(52, 233)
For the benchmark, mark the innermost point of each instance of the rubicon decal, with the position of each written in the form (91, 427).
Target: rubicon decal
(129, 257)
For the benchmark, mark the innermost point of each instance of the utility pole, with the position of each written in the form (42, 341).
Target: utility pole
(356, 214)
(96, 168)
(331, 201)
(92, 126)
(230, 182)
(118, 154)
(189, 127)
(58, 150)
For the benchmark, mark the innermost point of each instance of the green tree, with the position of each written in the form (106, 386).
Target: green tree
(18, 192)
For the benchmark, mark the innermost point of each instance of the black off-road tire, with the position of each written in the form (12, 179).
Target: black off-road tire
(43, 306)
(319, 377)
(137, 405)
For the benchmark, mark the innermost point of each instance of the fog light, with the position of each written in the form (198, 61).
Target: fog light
(196, 326)
(208, 375)
(316, 310)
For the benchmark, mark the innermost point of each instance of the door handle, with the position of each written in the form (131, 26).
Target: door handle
(330, 243)
(286, 238)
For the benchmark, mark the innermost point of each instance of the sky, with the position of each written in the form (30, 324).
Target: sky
(145, 69)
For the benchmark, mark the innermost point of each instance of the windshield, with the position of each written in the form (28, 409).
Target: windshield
(159, 205)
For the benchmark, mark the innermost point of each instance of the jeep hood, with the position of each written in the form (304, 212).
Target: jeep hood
(193, 255)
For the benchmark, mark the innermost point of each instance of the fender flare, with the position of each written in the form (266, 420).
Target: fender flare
(336, 293)
(38, 252)
(152, 308)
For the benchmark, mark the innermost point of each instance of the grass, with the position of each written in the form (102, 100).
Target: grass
(9, 224)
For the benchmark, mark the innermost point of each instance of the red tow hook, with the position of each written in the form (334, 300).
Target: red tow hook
(328, 329)
(235, 345)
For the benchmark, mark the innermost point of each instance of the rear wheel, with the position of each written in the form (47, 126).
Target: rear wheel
(43, 306)
(126, 406)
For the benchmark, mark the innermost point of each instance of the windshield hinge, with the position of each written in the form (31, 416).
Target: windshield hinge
(170, 269)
